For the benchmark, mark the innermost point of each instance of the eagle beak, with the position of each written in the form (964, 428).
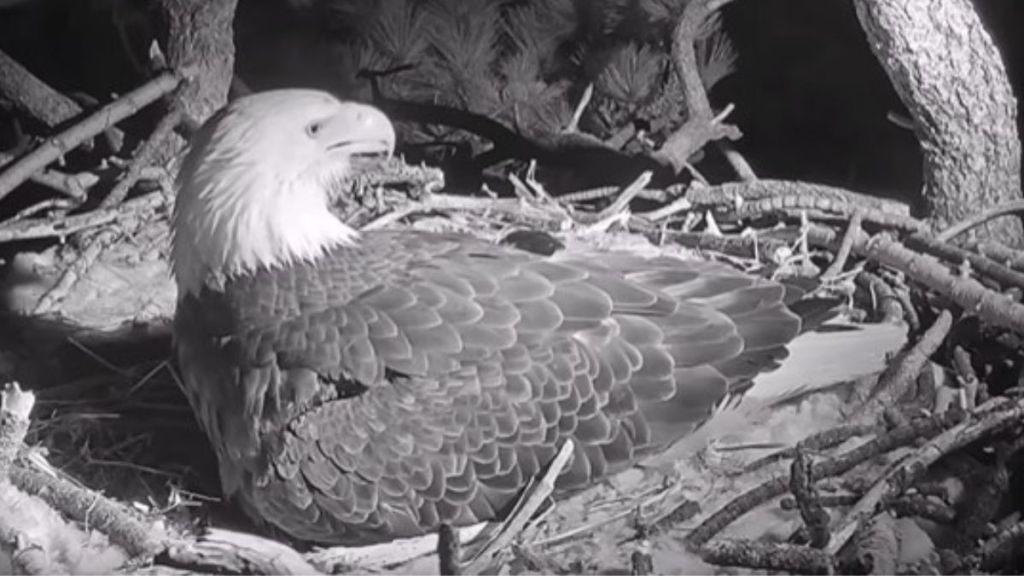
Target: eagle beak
(359, 130)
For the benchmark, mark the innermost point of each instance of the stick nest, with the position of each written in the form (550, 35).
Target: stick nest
(110, 426)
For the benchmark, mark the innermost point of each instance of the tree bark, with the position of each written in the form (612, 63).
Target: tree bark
(32, 96)
(949, 74)
(200, 34)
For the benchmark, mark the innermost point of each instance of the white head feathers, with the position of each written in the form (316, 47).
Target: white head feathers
(253, 190)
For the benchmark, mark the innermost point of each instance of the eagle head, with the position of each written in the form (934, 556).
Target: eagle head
(253, 190)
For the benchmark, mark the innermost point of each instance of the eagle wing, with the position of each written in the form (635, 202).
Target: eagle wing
(423, 379)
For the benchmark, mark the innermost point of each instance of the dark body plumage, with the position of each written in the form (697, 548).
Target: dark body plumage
(417, 378)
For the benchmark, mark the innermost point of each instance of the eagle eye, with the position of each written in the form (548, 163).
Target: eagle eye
(314, 128)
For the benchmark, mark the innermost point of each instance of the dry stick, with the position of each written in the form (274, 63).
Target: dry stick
(640, 561)
(801, 484)
(15, 407)
(901, 373)
(739, 163)
(767, 556)
(1004, 275)
(821, 441)
(107, 116)
(622, 202)
(1005, 255)
(231, 552)
(523, 512)
(807, 195)
(919, 505)
(122, 526)
(75, 272)
(581, 107)
(28, 552)
(992, 213)
(66, 225)
(700, 126)
(448, 551)
(51, 204)
(824, 208)
(843, 253)
(74, 186)
(591, 194)
(825, 500)
(968, 378)
(901, 436)
(990, 306)
(144, 156)
(885, 301)
(1001, 414)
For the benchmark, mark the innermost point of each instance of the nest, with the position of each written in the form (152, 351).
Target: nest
(115, 450)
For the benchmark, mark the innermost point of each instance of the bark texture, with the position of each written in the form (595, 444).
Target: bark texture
(951, 77)
(200, 34)
(32, 96)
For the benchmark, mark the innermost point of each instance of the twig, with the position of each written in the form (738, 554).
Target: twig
(777, 486)
(1005, 276)
(83, 505)
(622, 202)
(968, 377)
(15, 407)
(701, 126)
(843, 253)
(581, 107)
(984, 216)
(820, 441)
(824, 500)
(592, 194)
(238, 553)
(999, 414)
(524, 511)
(969, 294)
(1005, 255)
(885, 301)
(767, 556)
(52, 149)
(990, 306)
(74, 186)
(791, 195)
(900, 375)
(801, 484)
(678, 205)
(45, 205)
(73, 273)
(640, 561)
(448, 551)
(922, 506)
(65, 226)
(144, 156)
(738, 162)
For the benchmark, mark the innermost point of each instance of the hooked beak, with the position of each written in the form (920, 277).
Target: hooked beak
(359, 130)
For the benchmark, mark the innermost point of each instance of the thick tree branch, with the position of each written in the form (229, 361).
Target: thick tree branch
(949, 74)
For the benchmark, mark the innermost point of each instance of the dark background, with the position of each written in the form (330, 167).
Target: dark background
(810, 97)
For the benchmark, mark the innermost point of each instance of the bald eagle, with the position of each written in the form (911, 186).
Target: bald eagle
(364, 386)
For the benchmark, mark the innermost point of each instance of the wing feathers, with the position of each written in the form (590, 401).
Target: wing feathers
(478, 363)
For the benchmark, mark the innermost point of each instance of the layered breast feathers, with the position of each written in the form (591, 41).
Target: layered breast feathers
(417, 379)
